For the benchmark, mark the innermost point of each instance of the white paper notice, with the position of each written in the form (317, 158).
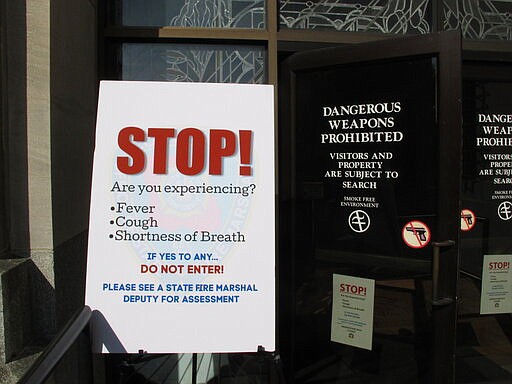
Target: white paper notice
(352, 311)
(496, 296)
(181, 241)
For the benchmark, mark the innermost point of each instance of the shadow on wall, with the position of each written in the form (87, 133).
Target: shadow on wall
(14, 224)
(70, 267)
(74, 92)
(27, 316)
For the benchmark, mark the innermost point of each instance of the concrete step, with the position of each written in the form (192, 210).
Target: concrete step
(12, 372)
(23, 329)
(15, 308)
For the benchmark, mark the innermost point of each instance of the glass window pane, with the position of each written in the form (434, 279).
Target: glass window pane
(198, 63)
(487, 19)
(192, 13)
(339, 225)
(387, 16)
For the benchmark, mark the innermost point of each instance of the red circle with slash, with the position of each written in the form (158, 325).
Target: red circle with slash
(467, 220)
(416, 234)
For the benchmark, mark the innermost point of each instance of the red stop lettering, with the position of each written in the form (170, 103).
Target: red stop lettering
(190, 151)
(192, 147)
(354, 289)
(138, 158)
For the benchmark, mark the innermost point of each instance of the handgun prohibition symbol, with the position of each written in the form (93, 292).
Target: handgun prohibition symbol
(467, 220)
(416, 234)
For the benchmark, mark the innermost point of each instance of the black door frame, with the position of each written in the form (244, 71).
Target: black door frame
(446, 47)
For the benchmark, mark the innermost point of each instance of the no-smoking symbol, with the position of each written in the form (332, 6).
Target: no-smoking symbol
(416, 234)
(359, 221)
(467, 220)
(505, 210)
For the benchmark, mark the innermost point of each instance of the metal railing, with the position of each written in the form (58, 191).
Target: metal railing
(268, 365)
(53, 353)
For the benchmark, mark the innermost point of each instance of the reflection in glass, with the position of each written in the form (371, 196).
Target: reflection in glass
(192, 13)
(188, 368)
(195, 63)
(484, 338)
(485, 19)
(387, 16)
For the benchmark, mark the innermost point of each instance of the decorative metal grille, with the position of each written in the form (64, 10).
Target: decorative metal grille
(391, 16)
(194, 13)
(479, 19)
(197, 63)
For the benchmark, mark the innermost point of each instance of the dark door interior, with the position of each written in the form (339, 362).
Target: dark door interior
(484, 328)
(372, 136)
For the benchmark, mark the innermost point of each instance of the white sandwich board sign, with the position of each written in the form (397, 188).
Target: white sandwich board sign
(181, 252)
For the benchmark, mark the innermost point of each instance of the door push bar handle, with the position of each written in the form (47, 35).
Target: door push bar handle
(436, 300)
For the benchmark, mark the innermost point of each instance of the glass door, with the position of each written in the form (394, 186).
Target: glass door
(484, 328)
(369, 217)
